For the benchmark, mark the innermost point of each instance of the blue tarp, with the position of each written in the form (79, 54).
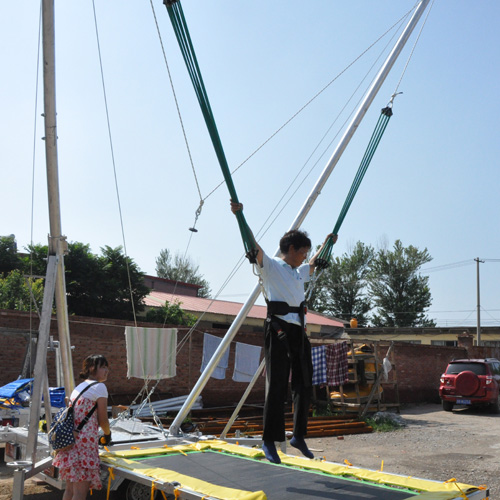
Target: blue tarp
(13, 388)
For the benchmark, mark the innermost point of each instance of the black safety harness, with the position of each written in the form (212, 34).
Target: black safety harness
(278, 308)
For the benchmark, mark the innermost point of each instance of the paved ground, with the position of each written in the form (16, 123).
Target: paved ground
(438, 445)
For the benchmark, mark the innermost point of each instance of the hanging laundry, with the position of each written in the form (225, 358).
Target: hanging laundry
(210, 345)
(151, 352)
(337, 366)
(246, 362)
(318, 355)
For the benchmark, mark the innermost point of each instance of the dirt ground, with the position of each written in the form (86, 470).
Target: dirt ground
(464, 444)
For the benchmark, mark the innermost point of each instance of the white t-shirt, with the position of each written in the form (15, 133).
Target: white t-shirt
(97, 391)
(284, 283)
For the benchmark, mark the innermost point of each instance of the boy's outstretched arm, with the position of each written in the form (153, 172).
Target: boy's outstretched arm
(312, 260)
(236, 207)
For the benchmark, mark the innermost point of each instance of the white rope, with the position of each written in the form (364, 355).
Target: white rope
(313, 98)
(114, 165)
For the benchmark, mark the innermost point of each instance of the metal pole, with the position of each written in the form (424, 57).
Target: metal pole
(360, 113)
(18, 483)
(41, 358)
(249, 388)
(478, 329)
(56, 240)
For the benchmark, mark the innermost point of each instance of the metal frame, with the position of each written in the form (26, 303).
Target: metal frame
(316, 191)
(55, 282)
(184, 494)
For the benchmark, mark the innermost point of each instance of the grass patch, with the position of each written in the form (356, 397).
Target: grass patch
(383, 424)
(322, 409)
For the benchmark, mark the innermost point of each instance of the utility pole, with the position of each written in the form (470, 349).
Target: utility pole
(478, 334)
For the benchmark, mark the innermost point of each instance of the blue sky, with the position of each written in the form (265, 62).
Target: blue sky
(433, 182)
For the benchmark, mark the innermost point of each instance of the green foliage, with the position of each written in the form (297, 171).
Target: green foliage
(179, 268)
(362, 280)
(340, 290)
(116, 291)
(322, 409)
(397, 290)
(36, 262)
(96, 285)
(383, 424)
(170, 314)
(15, 291)
(9, 259)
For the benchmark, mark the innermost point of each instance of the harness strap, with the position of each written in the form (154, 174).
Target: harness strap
(278, 308)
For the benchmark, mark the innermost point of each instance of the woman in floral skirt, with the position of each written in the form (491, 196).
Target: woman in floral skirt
(80, 465)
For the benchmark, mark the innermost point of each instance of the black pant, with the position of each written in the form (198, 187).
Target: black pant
(291, 349)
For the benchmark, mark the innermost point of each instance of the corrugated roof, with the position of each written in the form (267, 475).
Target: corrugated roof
(224, 307)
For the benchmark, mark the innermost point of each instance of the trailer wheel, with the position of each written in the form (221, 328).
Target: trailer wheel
(136, 491)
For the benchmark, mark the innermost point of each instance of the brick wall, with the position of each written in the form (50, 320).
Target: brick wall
(103, 336)
(418, 367)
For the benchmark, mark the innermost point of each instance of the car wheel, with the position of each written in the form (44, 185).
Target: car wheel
(447, 405)
(467, 383)
(495, 406)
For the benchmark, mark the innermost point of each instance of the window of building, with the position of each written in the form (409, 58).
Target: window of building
(447, 343)
(491, 343)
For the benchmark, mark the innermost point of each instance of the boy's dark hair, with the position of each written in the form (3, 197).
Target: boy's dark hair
(92, 363)
(299, 239)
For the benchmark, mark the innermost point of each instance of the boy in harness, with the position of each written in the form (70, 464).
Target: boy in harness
(286, 344)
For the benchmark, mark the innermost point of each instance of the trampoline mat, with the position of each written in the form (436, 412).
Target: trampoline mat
(278, 482)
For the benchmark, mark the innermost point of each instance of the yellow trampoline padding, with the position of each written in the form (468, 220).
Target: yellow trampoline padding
(430, 490)
(234, 449)
(187, 482)
(185, 448)
(445, 490)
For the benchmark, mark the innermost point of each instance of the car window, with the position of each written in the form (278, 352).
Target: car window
(455, 368)
(495, 367)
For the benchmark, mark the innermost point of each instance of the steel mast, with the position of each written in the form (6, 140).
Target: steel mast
(55, 281)
(57, 242)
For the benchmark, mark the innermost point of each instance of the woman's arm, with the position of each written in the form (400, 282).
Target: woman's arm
(102, 414)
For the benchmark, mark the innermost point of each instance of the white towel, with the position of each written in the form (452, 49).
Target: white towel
(210, 345)
(151, 352)
(246, 362)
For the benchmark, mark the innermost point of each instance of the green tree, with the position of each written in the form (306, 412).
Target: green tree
(9, 259)
(86, 291)
(35, 262)
(341, 289)
(116, 289)
(96, 285)
(170, 314)
(399, 292)
(179, 268)
(15, 292)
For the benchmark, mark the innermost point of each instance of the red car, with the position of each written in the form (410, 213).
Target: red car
(471, 382)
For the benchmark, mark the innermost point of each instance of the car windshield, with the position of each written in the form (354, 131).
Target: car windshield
(455, 368)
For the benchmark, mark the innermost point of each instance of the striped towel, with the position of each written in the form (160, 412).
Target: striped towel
(319, 365)
(210, 345)
(151, 352)
(337, 366)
